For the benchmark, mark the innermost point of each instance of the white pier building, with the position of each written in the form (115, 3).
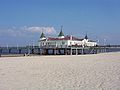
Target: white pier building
(65, 41)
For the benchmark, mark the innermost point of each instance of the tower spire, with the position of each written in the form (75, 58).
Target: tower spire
(61, 35)
(86, 36)
(42, 36)
(61, 27)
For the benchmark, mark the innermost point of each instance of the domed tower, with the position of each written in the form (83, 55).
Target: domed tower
(61, 35)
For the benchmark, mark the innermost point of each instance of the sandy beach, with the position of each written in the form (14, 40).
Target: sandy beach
(83, 72)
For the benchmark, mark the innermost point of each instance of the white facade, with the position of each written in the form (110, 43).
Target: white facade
(60, 42)
(88, 43)
(56, 43)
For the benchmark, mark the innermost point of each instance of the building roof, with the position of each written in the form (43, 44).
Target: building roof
(60, 34)
(65, 38)
(42, 35)
(91, 41)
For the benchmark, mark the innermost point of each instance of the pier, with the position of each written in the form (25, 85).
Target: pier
(57, 50)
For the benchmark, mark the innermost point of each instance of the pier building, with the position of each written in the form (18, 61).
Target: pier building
(65, 41)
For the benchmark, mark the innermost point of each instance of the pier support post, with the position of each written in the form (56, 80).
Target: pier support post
(0, 51)
(9, 51)
(97, 50)
(82, 50)
(71, 51)
(32, 50)
(65, 51)
(41, 51)
(38, 51)
(59, 51)
(76, 51)
(19, 51)
(54, 51)
(105, 49)
(47, 51)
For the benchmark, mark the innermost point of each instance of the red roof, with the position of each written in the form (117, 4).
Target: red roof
(65, 38)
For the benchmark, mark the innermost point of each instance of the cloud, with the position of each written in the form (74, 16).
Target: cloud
(13, 31)
(46, 30)
(26, 31)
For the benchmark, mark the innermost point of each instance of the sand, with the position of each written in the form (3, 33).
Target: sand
(83, 72)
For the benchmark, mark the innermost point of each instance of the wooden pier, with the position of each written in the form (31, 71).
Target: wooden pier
(73, 50)
(59, 50)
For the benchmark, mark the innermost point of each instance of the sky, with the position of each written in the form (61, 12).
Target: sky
(22, 21)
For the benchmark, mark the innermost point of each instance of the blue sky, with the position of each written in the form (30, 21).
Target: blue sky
(21, 21)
